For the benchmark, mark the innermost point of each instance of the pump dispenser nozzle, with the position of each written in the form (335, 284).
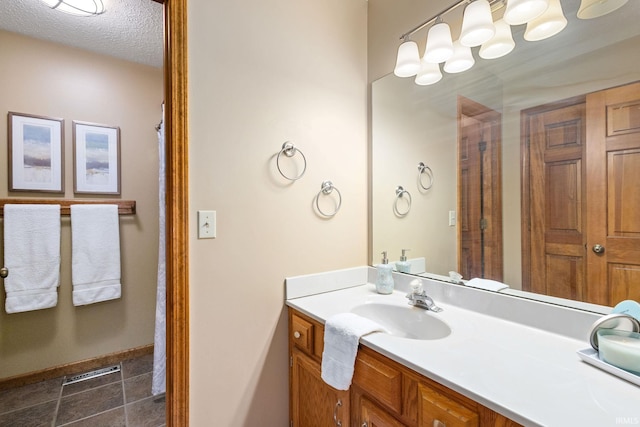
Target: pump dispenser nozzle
(385, 260)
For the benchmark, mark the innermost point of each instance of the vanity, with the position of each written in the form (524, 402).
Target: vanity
(486, 360)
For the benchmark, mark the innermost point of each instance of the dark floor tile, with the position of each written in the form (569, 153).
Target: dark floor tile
(137, 366)
(96, 400)
(35, 416)
(30, 395)
(92, 383)
(137, 388)
(112, 418)
(149, 412)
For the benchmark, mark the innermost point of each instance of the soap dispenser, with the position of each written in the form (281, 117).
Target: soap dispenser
(403, 266)
(384, 282)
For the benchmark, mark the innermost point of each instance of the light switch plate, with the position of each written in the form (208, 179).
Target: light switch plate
(206, 224)
(452, 218)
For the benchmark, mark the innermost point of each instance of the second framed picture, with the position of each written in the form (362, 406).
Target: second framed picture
(96, 158)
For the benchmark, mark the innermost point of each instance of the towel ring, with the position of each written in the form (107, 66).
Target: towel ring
(425, 170)
(400, 192)
(290, 150)
(326, 188)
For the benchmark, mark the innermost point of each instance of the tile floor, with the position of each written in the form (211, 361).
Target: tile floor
(121, 399)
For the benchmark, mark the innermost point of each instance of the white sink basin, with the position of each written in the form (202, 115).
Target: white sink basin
(405, 322)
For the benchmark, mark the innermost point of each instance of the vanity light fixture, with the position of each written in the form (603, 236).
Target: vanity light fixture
(522, 11)
(550, 23)
(590, 9)
(500, 44)
(408, 60)
(461, 60)
(77, 7)
(429, 73)
(439, 46)
(477, 24)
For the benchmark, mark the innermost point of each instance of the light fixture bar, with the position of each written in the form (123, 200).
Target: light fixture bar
(493, 3)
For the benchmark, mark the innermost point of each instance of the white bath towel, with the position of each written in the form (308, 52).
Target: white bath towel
(342, 334)
(32, 255)
(95, 253)
(489, 285)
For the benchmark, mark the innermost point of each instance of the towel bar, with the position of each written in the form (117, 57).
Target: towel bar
(125, 207)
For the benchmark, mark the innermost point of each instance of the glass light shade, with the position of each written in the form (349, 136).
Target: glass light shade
(408, 60)
(522, 11)
(550, 23)
(500, 44)
(590, 9)
(477, 24)
(461, 60)
(77, 7)
(439, 45)
(429, 74)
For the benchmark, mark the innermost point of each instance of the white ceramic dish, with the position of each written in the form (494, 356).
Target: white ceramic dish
(590, 356)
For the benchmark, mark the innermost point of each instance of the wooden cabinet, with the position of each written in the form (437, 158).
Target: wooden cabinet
(384, 393)
(313, 403)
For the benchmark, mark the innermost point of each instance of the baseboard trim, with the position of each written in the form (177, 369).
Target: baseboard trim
(74, 367)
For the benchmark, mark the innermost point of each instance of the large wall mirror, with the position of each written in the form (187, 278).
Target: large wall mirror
(535, 159)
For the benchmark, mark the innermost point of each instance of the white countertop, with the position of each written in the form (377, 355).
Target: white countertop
(528, 374)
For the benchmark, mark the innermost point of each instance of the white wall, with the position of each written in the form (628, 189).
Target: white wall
(262, 73)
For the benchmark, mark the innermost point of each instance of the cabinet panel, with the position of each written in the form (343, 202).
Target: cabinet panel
(313, 402)
(302, 333)
(372, 415)
(379, 379)
(435, 407)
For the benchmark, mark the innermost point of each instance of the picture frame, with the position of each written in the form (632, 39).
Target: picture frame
(36, 147)
(96, 158)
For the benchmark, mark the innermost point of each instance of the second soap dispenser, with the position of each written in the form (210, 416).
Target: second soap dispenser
(403, 266)
(384, 281)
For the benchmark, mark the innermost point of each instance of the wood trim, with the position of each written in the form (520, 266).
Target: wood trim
(125, 207)
(176, 102)
(75, 367)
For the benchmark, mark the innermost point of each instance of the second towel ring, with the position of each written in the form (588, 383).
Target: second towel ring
(425, 170)
(400, 192)
(290, 150)
(326, 188)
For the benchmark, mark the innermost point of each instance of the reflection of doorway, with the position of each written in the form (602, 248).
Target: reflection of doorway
(480, 191)
(581, 206)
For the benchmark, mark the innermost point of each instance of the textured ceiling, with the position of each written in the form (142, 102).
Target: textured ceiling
(129, 29)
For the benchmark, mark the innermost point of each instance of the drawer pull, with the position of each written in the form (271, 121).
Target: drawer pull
(336, 421)
(364, 424)
(296, 335)
(438, 423)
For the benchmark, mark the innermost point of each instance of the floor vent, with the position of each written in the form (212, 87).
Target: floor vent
(91, 375)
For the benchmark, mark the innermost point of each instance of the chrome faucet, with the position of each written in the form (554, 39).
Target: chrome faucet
(419, 298)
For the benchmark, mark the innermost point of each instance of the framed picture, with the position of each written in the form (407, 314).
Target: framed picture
(96, 158)
(36, 144)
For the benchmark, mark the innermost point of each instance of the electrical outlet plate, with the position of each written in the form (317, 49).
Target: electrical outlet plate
(206, 224)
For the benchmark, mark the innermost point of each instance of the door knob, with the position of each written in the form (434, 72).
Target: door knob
(598, 249)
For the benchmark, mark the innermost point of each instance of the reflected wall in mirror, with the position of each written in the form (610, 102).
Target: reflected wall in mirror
(564, 174)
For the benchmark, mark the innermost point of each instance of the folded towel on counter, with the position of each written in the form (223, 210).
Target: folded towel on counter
(32, 255)
(489, 285)
(95, 253)
(342, 333)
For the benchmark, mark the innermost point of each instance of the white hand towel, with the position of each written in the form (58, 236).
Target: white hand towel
(342, 333)
(489, 285)
(32, 255)
(95, 253)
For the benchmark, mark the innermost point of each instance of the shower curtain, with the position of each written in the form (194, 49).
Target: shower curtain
(158, 385)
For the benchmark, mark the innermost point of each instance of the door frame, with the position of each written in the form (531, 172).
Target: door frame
(177, 206)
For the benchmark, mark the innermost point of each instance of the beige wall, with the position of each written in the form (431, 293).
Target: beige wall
(37, 77)
(262, 73)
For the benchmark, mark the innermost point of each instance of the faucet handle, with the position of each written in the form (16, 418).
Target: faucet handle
(416, 286)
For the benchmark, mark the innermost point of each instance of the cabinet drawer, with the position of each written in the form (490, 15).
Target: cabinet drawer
(302, 333)
(437, 410)
(379, 380)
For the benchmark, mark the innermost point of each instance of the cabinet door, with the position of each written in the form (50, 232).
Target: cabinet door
(372, 415)
(313, 402)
